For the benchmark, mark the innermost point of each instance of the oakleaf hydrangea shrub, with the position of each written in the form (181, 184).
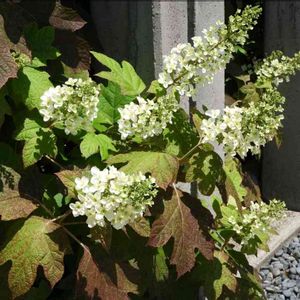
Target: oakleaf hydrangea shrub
(90, 174)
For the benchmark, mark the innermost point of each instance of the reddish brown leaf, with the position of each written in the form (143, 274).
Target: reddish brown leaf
(75, 51)
(8, 67)
(13, 206)
(177, 221)
(65, 18)
(94, 283)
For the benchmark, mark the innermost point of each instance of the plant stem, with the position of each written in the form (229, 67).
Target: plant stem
(73, 223)
(61, 217)
(75, 238)
(55, 162)
(190, 152)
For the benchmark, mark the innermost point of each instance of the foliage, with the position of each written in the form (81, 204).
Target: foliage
(64, 136)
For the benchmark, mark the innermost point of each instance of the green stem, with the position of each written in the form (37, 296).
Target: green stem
(62, 217)
(190, 152)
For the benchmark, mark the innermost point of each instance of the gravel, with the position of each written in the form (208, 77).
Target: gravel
(281, 275)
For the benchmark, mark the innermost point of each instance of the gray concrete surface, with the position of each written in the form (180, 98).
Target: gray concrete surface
(281, 168)
(287, 228)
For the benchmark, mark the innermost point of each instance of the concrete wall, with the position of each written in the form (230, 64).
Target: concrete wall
(281, 168)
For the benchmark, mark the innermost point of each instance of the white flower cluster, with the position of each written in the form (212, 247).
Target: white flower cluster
(147, 118)
(277, 67)
(224, 128)
(243, 129)
(113, 196)
(72, 106)
(258, 218)
(188, 64)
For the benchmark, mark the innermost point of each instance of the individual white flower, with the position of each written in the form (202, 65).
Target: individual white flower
(73, 105)
(112, 196)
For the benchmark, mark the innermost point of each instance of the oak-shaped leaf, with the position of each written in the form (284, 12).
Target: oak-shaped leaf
(67, 177)
(30, 86)
(13, 206)
(233, 181)
(162, 166)
(36, 242)
(141, 226)
(110, 101)
(96, 143)
(65, 18)
(75, 51)
(9, 178)
(179, 222)
(124, 75)
(39, 141)
(5, 108)
(205, 168)
(219, 274)
(109, 281)
(8, 67)
(9, 158)
(40, 42)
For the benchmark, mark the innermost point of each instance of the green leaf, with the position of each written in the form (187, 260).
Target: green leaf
(30, 86)
(9, 179)
(40, 42)
(124, 75)
(162, 166)
(67, 177)
(180, 136)
(13, 206)
(39, 141)
(5, 108)
(218, 275)
(9, 158)
(177, 221)
(110, 101)
(205, 168)
(141, 226)
(155, 88)
(233, 182)
(37, 242)
(251, 94)
(93, 143)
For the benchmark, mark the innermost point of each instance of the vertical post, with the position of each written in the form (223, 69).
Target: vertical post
(281, 167)
(170, 27)
(206, 14)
